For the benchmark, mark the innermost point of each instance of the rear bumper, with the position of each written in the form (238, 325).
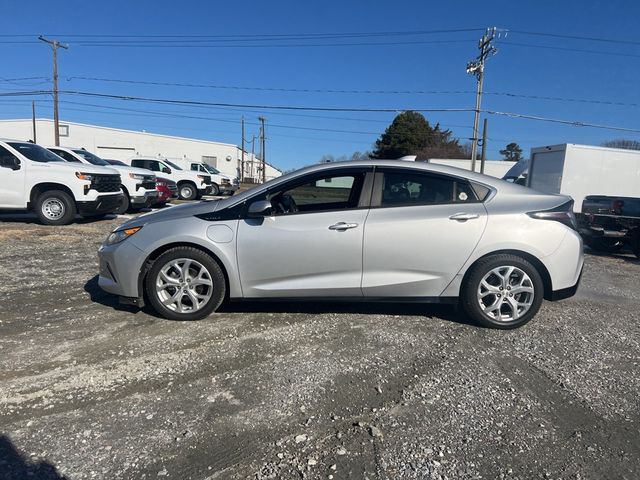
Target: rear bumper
(102, 204)
(566, 292)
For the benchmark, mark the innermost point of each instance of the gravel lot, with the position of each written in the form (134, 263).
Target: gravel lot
(90, 389)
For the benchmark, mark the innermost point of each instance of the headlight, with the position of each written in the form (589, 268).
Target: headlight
(120, 235)
(84, 176)
(136, 176)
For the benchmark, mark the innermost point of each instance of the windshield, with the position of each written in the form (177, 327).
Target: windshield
(91, 158)
(172, 164)
(210, 169)
(35, 152)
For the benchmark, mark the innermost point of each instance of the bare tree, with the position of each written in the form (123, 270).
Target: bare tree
(622, 143)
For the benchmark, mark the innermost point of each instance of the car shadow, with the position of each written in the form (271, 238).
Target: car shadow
(14, 466)
(624, 254)
(98, 295)
(446, 312)
(32, 218)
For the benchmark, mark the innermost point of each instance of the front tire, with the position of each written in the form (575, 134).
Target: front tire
(502, 291)
(215, 190)
(126, 203)
(55, 207)
(188, 191)
(185, 283)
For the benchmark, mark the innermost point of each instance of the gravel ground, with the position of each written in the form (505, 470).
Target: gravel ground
(90, 389)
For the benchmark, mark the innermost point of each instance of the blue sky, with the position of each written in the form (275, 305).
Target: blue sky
(524, 65)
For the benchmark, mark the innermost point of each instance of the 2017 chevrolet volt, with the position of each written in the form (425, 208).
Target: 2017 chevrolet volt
(368, 230)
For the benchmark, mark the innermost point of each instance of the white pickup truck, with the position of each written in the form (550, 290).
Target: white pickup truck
(138, 185)
(191, 185)
(221, 184)
(34, 179)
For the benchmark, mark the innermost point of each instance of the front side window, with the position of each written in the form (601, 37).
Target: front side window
(406, 188)
(35, 152)
(321, 193)
(7, 159)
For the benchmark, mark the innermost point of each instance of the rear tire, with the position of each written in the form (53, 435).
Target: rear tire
(55, 207)
(502, 291)
(635, 242)
(177, 294)
(604, 244)
(187, 191)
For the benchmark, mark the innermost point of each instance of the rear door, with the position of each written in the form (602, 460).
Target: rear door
(420, 231)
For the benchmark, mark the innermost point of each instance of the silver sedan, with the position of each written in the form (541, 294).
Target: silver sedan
(355, 231)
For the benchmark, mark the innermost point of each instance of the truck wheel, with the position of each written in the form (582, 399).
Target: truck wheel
(215, 190)
(188, 191)
(502, 291)
(603, 244)
(125, 205)
(185, 283)
(55, 207)
(635, 242)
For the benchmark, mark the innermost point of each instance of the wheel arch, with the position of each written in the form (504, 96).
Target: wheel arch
(538, 265)
(151, 258)
(40, 188)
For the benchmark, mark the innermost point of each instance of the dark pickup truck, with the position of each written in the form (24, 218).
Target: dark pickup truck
(608, 223)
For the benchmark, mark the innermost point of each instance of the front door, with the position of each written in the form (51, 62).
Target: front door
(310, 244)
(12, 180)
(420, 231)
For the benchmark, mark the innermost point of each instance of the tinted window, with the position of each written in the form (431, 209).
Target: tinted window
(173, 165)
(91, 158)
(66, 155)
(6, 158)
(332, 192)
(415, 188)
(35, 152)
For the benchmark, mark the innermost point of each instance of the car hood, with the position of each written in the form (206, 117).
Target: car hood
(171, 213)
(83, 167)
(136, 170)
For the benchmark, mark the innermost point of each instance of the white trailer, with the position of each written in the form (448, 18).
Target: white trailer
(493, 168)
(604, 184)
(583, 170)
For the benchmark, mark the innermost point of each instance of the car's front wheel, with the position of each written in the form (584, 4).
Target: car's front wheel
(185, 283)
(502, 291)
(188, 191)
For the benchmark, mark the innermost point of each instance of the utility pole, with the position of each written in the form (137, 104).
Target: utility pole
(483, 156)
(33, 120)
(242, 154)
(55, 44)
(476, 68)
(253, 154)
(262, 149)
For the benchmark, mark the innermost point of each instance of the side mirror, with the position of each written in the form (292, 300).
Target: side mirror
(166, 170)
(261, 208)
(11, 163)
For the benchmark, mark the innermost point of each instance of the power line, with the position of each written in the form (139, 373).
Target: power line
(575, 37)
(565, 49)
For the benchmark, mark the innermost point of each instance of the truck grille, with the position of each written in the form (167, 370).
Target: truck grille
(148, 183)
(105, 183)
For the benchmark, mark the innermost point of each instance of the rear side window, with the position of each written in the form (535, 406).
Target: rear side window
(66, 155)
(406, 188)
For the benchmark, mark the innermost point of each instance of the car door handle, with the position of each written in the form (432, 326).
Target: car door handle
(340, 226)
(463, 216)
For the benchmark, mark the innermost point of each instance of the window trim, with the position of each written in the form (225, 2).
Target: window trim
(376, 196)
(364, 199)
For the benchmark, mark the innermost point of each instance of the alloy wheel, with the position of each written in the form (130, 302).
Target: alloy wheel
(184, 285)
(505, 293)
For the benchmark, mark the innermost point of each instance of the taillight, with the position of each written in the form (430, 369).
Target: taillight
(562, 213)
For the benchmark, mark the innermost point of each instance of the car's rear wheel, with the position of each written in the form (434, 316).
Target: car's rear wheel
(185, 283)
(502, 291)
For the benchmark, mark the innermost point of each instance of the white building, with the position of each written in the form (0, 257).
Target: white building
(118, 144)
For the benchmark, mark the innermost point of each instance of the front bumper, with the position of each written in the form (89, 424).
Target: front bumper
(149, 198)
(102, 204)
(120, 266)
(228, 187)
